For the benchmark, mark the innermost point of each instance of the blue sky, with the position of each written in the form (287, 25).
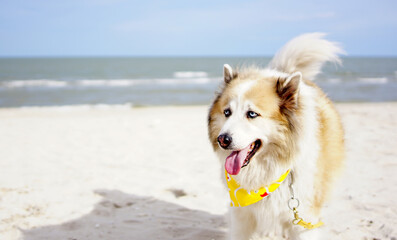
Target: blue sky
(191, 28)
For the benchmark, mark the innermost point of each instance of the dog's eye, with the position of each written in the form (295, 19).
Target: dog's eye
(251, 114)
(227, 112)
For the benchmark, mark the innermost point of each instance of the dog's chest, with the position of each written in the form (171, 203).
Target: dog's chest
(272, 214)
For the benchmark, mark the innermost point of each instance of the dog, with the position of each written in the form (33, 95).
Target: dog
(275, 131)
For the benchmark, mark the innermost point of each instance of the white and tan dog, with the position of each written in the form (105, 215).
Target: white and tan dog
(264, 122)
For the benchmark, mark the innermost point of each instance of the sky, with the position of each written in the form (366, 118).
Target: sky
(191, 28)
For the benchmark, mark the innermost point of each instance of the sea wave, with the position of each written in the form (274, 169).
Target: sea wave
(107, 83)
(33, 83)
(48, 83)
(362, 80)
(77, 107)
(190, 74)
(334, 80)
(381, 80)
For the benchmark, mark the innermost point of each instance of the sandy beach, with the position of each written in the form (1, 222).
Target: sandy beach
(116, 172)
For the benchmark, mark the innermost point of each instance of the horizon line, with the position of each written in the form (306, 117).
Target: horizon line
(176, 56)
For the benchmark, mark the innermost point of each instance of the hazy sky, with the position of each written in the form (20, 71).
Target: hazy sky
(183, 27)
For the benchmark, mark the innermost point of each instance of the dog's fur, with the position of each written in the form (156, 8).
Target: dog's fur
(299, 130)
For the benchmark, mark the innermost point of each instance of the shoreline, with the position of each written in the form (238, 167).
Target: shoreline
(132, 106)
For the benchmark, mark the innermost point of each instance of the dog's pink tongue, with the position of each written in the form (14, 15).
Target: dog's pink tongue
(235, 161)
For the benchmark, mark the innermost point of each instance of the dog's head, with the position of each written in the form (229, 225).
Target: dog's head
(252, 121)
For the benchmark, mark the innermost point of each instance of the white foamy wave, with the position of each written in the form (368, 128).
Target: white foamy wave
(335, 80)
(373, 80)
(190, 74)
(33, 83)
(109, 83)
(133, 82)
(79, 107)
(96, 83)
(179, 81)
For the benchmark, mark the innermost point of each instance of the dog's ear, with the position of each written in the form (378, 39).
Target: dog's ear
(228, 74)
(288, 91)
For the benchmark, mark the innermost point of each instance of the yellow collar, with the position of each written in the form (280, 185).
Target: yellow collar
(241, 197)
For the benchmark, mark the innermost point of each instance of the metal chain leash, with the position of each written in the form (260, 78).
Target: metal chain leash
(293, 204)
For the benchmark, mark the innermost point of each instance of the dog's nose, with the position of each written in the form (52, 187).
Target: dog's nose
(224, 140)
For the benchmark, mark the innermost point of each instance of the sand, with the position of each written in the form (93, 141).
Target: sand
(100, 172)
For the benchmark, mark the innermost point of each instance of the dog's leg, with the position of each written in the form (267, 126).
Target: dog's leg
(243, 224)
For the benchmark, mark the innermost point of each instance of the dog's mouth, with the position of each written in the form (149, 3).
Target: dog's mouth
(241, 158)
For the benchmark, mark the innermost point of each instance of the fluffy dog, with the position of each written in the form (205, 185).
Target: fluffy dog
(272, 122)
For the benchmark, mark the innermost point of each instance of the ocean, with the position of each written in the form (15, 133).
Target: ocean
(148, 81)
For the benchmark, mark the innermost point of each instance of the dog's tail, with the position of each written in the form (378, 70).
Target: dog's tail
(306, 53)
